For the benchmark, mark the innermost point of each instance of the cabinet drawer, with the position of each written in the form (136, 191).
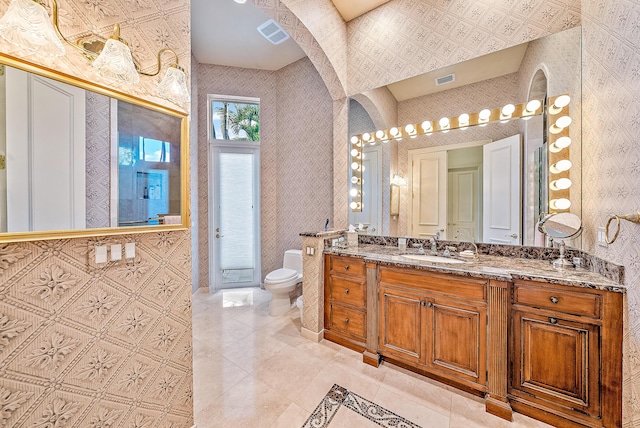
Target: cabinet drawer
(347, 265)
(348, 290)
(569, 302)
(351, 321)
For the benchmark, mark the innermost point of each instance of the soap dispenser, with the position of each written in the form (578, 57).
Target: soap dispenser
(562, 262)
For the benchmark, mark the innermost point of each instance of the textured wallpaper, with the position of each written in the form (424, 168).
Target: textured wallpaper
(611, 155)
(82, 345)
(98, 159)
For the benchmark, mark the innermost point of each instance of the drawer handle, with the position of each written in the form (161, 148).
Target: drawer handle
(428, 304)
(346, 291)
(346, 320)
(554, 299)
(346, 267)
(553, 320)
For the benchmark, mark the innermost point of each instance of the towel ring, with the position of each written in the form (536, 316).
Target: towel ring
(632, 217)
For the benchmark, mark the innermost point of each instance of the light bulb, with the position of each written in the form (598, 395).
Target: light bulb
(563, 142)
(563, 122)
(463, 119)
(533, 106)
(394, 131)
(426, 126)
(380, 134)
(366, 136)
(354, 153)
(354, 165)
(561, 102)
(410, 129)
(560, 184)
(354, 179)
(354, 192)
(508, 110)
(560, 204)
(484, 115)
(355, 205)
(560, 166)
(444, 123)
(355, 140)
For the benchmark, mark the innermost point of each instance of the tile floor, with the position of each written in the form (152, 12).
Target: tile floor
(253, 370)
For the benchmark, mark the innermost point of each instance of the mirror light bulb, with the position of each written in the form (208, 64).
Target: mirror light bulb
(563, 142)
(354, 205)
(366, 136)
(560, 204)
(560, 166)
(484, 115)
(380, 134)
(394, 131)
(562, 101)
(355, 140)
(444, 122)
(354, 153)
(560, 184)
(508, 110)
(354, 165)
(563, 122)
(354, 192)
(533, 106)
(410, 129)
(426, 126)
(354, 179)
(463, 119)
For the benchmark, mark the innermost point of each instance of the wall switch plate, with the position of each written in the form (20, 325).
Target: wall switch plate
(601, 237)
(101, 254)
(130, 250)
(577, 262)
(116, 252)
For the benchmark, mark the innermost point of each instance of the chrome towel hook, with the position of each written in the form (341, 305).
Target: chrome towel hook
(632, 217)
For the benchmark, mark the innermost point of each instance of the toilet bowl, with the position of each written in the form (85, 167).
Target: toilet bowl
(281, 282)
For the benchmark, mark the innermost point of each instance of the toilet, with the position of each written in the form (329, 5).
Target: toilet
(283, 281)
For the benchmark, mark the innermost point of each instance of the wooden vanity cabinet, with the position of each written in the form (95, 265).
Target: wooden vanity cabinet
(436, 323)
(566, 354)
(345, 301)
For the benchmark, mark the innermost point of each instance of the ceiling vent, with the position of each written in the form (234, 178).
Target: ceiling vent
(445, 79)
(273, 32)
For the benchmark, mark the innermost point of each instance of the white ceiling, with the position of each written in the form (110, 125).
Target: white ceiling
(224, 32)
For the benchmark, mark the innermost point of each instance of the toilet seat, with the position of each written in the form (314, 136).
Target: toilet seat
(280, 275)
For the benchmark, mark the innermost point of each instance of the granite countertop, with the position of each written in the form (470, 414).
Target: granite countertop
(324, 233)
(485, 266)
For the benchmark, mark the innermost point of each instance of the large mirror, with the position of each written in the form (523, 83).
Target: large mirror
(79, 160)
(459, 167)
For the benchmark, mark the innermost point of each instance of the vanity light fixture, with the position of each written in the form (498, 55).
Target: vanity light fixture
(484, 116)
(559, 155)
(357, 168)
(27, 24)
(507, 111)
(381, 135)
(531, 107)
(561, 166)
(559, 103)
(560, 204)
(410, 130)
(444, 123)
(559, 144)
(560, 184)
(427, 126)
(463, 120)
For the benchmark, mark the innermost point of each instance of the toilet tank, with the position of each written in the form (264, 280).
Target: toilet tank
(293, 260)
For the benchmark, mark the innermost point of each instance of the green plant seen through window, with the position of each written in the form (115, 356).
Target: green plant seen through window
(236, 121)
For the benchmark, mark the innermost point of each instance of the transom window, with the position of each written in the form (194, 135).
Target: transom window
(235, 119)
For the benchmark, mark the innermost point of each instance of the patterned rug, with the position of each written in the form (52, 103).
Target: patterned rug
(338, 397)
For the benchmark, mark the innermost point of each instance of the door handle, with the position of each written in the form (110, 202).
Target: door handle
(217, 229)
(513, 235)
(219, 236)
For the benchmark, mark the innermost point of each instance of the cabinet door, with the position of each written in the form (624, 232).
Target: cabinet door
(556, 361)
(456, 339)
(401, 320)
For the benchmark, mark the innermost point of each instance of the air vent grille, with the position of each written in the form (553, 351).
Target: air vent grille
(445, 79)
(273, 32)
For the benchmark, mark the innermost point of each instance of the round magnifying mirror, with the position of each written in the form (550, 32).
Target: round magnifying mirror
(561, 225)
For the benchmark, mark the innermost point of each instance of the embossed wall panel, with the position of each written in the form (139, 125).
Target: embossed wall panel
(611, 158)
(98, 160)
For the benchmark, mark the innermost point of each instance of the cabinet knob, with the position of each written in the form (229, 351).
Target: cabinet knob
(346, 320)
(429, 304)
(346, 267)
(346, 291)
(423, 303)
(553, 320)
(554, 299)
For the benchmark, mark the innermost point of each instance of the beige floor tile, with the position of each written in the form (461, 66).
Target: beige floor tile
(418, 389)
(253, 350)
(410, 410)
(294, 417)
(332, 374)
(212, 377)
(249, 404)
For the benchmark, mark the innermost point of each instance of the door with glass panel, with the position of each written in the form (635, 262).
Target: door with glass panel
(234, 168)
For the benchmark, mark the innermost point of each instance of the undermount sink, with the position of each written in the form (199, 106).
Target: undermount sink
(432, 259)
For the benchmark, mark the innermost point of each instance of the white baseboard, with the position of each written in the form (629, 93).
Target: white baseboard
(313, 336)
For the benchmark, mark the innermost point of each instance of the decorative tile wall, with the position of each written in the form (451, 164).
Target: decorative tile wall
(611, 158)
(98, 160)
(82, 345)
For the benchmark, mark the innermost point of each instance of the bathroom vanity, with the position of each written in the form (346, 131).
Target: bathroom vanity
(527, 337)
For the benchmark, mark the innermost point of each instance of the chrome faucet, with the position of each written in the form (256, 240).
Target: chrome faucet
(434, 245)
